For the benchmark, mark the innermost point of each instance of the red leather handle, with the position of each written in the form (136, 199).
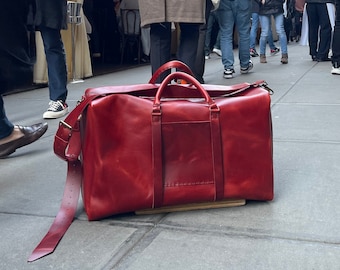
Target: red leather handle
(169, 65)
(188, 78)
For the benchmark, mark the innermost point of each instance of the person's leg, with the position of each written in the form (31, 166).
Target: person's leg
(207, 43)
(56, 63)
(6, 127)
(218, 41)
(13, 137)
(217, 44)
(273, 49)
(188, 47)
(313, 28)
(253, 29)
(298, 24)
(243, 13)
(325, 33)
(226, 23)
(201, 39)
(160, 51)
(280, 30)
(336, 42)
(265, 25)
(270, 38)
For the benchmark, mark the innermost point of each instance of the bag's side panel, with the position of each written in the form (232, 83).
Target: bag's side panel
(247, 146)
(117, 156)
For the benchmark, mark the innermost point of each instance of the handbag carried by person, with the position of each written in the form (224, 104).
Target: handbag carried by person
(148, 146)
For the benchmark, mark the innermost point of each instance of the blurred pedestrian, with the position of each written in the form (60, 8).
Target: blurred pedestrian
(253, 32)
(50, 18)
(269, 8)
(160, 15)
(233, 14)
(216, 46)
(15, 70)
(298, 15)
(319, 29)
(336, 41)
(203, 32)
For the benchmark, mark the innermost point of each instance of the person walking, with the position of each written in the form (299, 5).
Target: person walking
(253, 32)
(298, 14)
(336, 41)
(160, 15)
(273, 8)
(319, 29)
(15, 69)
(216, 48)
(230, 14)
(50, 18)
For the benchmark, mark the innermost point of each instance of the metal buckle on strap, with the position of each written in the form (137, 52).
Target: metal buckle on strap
(265, 86)
(62, 123)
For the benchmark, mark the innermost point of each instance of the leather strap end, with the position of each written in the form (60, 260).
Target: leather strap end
(39, 253)
(66, 213)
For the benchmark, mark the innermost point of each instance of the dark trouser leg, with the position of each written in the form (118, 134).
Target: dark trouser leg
(325, 32)
(160, 50)
(200, 60)
(336, 37)
(6, 127)
(298, 22)
(187, 51)
(313, 28)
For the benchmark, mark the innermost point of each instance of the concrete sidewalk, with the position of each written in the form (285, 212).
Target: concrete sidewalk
(299, 229)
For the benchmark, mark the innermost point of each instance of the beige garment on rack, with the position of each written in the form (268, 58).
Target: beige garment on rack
(83, 66)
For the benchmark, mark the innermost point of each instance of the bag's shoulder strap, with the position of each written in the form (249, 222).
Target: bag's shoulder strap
(65, 215)
(67, 145)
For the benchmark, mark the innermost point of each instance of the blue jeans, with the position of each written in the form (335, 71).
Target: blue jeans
(6, 127)
(56, 63)
(234, 13)
(253, 32)
(265, 21)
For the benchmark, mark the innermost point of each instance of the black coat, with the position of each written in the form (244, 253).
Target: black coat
(51, 13)
(255, 6)
(320, 1)
(271, 7)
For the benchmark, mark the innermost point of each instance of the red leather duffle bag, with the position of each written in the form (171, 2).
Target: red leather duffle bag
(144, 146)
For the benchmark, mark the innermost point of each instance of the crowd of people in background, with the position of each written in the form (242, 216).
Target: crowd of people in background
(235, 23)
(287, 18)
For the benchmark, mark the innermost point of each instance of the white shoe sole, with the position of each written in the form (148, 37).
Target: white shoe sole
(335, 71)
(218, 52)
(54, 115)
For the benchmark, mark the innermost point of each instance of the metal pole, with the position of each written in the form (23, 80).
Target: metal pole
(74, 19)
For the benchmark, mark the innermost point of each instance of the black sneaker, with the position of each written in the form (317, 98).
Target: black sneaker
(228, 73)
(245, 70)
(56, 109)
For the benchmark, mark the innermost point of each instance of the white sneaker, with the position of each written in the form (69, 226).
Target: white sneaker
(56, 109)
(217, 51)
(335, 71)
